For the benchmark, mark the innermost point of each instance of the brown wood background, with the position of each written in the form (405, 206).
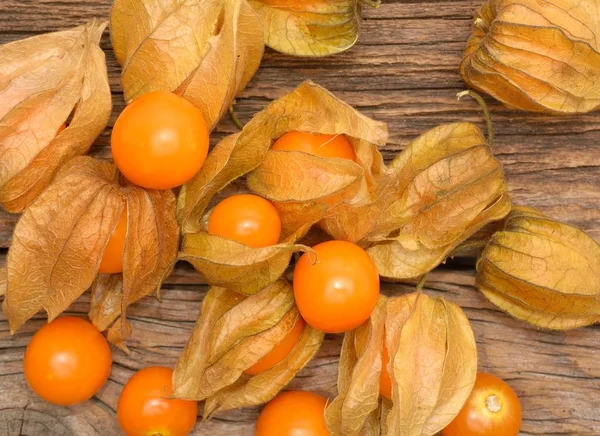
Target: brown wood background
(403, 71)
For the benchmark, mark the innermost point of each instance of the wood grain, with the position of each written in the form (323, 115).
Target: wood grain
(403, 71)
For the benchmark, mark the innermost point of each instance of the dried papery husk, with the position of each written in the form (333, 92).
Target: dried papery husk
(261, 388)
(48, 82)
(315, 28)
(206, 51)
(542, 271)
(105, 297)
(536, 56)
(228, 264)
(149, 256)
(433, 363)
(356, 219)
(59, 241)
(450, 186)
(346, 193)
(433, 366)
(356, 409)
(232, 333)
(386, 407)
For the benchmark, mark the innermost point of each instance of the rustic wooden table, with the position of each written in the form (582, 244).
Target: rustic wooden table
(403, 71)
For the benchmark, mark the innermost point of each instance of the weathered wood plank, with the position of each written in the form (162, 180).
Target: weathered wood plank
(554, 373)
(403, 71)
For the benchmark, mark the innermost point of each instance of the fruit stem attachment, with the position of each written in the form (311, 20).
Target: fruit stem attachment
(234, 117)
(488, 119)
(309, 252)
(493, 403)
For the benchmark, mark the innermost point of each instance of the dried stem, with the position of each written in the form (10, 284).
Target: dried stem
(310, 251)
(421, 282)
(488, 119)
(234, 117)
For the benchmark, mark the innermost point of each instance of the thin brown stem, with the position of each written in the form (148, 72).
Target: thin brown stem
(486, 112)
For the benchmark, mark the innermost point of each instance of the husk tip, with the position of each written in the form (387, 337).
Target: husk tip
(96, 28)
(124, 348)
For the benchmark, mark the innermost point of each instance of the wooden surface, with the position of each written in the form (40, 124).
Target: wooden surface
(403, 71)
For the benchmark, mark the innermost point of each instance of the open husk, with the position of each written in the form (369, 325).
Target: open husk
(55, 101)
(231, 265)
(233, 332)
(432, 366)
(59, 241)
(346, 196)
